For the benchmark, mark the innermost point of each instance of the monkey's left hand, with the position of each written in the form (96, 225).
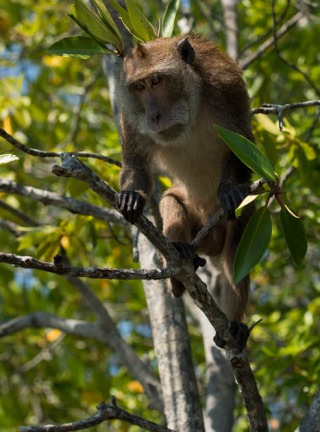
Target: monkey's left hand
(130, 204)
(231, 196)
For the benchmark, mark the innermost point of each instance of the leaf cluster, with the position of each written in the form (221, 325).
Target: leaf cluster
(103, 31)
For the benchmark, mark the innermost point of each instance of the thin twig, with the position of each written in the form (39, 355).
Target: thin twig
(280, 109)
(47, 154)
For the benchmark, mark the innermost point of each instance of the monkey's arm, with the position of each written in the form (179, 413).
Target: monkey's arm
(234, 185)
(135, 180)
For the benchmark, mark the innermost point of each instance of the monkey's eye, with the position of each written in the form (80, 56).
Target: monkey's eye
(138, 86)
(155, 79)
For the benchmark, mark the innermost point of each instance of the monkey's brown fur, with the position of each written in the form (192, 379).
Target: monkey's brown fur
(173, 90)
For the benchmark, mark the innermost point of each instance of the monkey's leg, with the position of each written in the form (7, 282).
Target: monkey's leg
(177, 226)
(234, 297)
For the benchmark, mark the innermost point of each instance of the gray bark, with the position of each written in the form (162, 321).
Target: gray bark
(311, 422)
(172, 345)
(220, 391)
(231, 27)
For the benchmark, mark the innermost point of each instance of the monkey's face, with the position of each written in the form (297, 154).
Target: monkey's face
(160, 98)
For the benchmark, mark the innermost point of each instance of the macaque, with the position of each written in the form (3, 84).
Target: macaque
(173, 91)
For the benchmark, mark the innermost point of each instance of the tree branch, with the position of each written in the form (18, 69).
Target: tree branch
(46, 154)
(18, 213)
(71, 204)
(61, 268)
(109, 411)
(280, 109)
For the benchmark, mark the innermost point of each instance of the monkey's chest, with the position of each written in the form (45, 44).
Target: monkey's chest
(196, 170)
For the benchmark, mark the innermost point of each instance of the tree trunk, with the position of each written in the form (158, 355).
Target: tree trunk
(172, 346)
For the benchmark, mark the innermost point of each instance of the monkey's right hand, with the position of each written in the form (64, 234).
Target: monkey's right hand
(130, 204)
(186, 250)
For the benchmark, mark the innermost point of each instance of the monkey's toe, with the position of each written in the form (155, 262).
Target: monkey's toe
(131, 205)
(187, 251)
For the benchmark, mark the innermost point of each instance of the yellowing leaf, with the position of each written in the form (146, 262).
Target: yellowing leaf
(52, 61)
(136, 387)
(268, 124)
(53, 335)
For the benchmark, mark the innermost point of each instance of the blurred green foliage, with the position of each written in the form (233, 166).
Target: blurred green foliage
(59, 103)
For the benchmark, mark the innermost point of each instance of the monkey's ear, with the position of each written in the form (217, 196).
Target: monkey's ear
(141, 51)
(186, 51)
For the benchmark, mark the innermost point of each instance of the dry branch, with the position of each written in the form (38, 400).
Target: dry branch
(61, 268)
(106, 411)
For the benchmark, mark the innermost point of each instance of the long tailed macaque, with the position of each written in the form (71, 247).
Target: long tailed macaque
(173, 91)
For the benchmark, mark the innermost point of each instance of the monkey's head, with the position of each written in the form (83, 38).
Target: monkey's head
(160, 98)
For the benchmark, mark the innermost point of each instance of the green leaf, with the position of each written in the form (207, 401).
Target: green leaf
(142, 28)
(121, 11)
(92, 23)
(253, 244)
(169, 18)
(248, 153)
(107, 18)
(294, 234)
(78, 46)
(7, 158)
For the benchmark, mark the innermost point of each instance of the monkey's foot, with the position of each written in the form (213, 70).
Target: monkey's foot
(239, 331)
(187, 251)
(130, 204)
(231, 196)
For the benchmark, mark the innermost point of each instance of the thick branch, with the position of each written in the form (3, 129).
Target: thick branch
(106, 412)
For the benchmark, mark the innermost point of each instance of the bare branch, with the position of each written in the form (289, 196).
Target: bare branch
(18, 213)
(46, 320)
(10, 226)
(46, 154)
(106, 412)
(50, 198)
(61, 268)
(280, 109)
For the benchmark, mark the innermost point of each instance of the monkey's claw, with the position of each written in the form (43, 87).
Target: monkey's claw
(231, 198)
(131, 205)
